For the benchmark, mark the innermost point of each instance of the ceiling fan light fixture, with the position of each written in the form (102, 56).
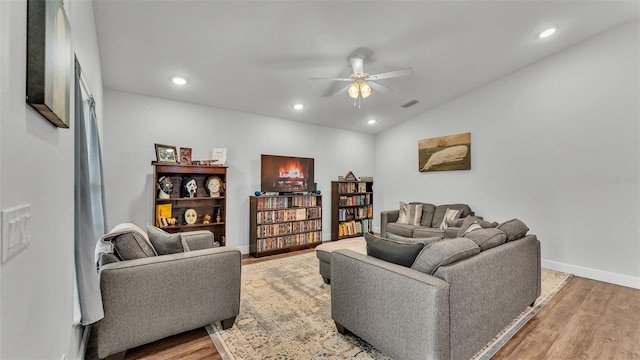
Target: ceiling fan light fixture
(365, 90)
(354, 90)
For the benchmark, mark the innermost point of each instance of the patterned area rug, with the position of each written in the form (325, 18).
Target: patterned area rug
(285, 313)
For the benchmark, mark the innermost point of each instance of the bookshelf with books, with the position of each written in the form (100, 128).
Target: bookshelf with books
(351, 208)
(189, 198)
(284, 223)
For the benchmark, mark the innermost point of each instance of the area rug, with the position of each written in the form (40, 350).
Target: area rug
(285, 313)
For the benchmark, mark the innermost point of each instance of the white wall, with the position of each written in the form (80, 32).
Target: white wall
(37, 168)
(133, 123)
(555, 144)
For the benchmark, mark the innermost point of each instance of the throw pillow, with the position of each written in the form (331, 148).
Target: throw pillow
(126, 241)
(163, 242)
(449, 215)
(444, 252)
(401, 253)
(410, 214)
(466, 223)
(474, 226)
(424, 240)
(514, 228)
(455, 222)
(487, 238)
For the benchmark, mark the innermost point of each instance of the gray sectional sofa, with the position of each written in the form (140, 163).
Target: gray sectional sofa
(458, 294)
(432, 216)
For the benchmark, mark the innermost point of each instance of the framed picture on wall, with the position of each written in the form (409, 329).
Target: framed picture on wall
(166, 153)
(185, 156)
(49, 60)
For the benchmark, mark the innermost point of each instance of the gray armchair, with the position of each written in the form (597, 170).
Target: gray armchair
(150, 298)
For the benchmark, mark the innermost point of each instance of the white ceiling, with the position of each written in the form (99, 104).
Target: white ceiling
(257, 57)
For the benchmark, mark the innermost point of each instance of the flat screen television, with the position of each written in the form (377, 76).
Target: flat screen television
(286, 174)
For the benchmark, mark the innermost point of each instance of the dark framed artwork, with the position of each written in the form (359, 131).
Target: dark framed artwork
(185, 156)
(451, 152)
(166, 154)
(49, 60)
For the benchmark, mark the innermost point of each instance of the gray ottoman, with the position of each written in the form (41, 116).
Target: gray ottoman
(323, 252)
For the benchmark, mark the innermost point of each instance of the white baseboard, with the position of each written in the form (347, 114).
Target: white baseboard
(600, 275)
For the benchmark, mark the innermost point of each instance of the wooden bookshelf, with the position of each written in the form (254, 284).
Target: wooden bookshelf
(284, 223)
(351, 208)
(203, 203)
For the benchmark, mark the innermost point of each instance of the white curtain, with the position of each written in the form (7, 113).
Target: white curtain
(90, 220)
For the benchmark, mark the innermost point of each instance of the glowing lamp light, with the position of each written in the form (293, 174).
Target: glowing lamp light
(354, 90)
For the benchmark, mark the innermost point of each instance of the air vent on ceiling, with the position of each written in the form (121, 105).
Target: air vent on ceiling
(409, 103)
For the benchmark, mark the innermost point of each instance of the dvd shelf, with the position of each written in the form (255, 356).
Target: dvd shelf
(183, 198)
(283, 223)
(351, 208)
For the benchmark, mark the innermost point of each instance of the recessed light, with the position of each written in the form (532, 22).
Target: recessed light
(372, 121)
(178, 80)
(298, 106)
(548, 32)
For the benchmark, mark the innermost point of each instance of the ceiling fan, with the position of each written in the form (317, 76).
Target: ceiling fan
(362, 84)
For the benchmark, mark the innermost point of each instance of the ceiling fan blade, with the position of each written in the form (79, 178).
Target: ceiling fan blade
(341, 90)
(379, 87)
(357, 64)
(391, 74)
(331, 79)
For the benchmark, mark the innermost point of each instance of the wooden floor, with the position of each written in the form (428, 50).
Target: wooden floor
(587, 319)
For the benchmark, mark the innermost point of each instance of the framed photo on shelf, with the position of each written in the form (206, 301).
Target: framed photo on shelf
(185, 156)
(166, 153)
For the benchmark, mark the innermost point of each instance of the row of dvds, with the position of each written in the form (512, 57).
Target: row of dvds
(355, 213)
(280, 242)
(358, 187)
(354, 227)
(272, 216)
(354, 200)
(283, 202)
(288, 228)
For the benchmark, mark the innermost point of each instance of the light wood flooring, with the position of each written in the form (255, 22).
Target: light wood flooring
(587, 319)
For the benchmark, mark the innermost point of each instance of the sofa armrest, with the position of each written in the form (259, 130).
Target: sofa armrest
(151, 298)
(402, 312)
(387, 216)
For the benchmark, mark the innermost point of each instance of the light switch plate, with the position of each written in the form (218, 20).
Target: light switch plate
(16, 230)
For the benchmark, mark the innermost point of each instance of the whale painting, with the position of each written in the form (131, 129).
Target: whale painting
(452, 152)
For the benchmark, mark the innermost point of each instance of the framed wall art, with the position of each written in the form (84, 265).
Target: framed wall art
(49, 60)
(166, 153)
(185, 156)
(452, 152)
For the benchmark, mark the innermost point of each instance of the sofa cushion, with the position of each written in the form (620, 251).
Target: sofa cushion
(444, 252)
(514, 228)
(487, 238)
(402, 229)
(440, 210)
(410, 213)
(163, 242)
(428, 232)
(397, 252)
(449, 214)
(427, 214)
(425, 240)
